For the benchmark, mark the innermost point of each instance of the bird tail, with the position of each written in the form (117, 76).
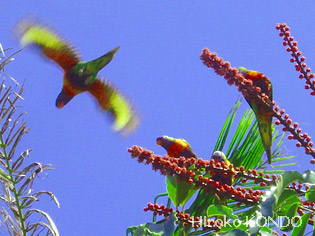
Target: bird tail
(266, 137)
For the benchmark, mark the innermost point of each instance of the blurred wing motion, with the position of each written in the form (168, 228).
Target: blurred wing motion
(80, 76)
(119, 107)
(263, 116)
(50, 44)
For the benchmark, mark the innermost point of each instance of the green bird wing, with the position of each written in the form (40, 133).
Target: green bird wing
(263, 116)
(51, 45)
(265, 129)
(99, 63)
(110, 99)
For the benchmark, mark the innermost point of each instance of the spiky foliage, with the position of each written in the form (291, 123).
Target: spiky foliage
(255, 202)
(17, 176)
(244, 150)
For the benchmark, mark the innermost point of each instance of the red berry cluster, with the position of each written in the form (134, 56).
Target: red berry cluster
(299, 188)
(182, 169)
(300, 66)
(296, 134)
(185, 218)
(255, 176)
(311, 220)
(212, 60)
(197, 222)
(309, 205)
(158, 209)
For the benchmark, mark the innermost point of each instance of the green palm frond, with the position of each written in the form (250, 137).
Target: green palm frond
(244, 149)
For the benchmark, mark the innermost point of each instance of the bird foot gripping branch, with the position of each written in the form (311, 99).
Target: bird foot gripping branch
(81, 76)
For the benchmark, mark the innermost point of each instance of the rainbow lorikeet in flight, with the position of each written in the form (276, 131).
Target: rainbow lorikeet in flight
(179, 191)
(263, 117)
(81, 76)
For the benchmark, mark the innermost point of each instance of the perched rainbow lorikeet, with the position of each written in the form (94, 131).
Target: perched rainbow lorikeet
(176, 147)
(179, 191)
(220, 156)
(219, 199)
(80, 76)
(263, 117)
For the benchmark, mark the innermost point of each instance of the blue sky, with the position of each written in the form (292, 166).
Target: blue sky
(101, 189)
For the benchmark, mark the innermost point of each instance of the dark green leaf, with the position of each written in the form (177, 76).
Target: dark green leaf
(286, 200)
(219, 210)
(310, 194)
(270, 199)
(140, 230)
(301, 225)
(286, 179)
(308, 177)
(287, 225)
(165, 227)
(179, 191)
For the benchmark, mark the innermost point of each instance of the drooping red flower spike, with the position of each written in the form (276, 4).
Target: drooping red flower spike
(212, 60)
(188, 170)
(297, 58)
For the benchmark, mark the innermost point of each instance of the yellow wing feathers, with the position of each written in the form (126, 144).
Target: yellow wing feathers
(110, 99)
(52, 46)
